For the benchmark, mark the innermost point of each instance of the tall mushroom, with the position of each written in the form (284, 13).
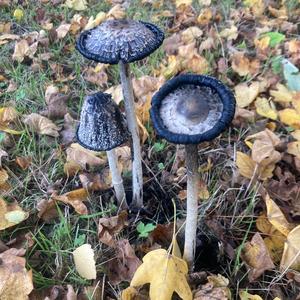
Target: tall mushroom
(190, 109)
(102, 128)
(122, 42)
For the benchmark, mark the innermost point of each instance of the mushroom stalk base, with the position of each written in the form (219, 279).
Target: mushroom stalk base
(137, 174)
(117, 180)
(192, 204)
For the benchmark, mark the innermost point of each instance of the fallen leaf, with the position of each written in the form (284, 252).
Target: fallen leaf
(263, 148)
(10, 215)
(116, 12)
(245, 94)
(257, 6)
(18, 14)
(74, 198)
(191, 34)
(243, 66)
(281, 94)
(84, 157)
(77, 4)
(249, 168)
(108, 228)
(291, 74)
(215, 288)
(93, 22)
(266, 108)
(16, 281)
(69, 129)
(125, 263)
(205, 16)
(95, 182)
(290, 117)
(62, 30)
(244, 295)
(183, 2)
(290, 257)
(256, 255)
(84, 260)
(47, 210)
(230, 33)
(276, 217)
(41, 125)
(294, 148)
(165, 273)
(23, 162)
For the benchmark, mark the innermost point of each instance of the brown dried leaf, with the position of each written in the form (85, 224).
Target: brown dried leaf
(47, 210)
(257, 257)
(263, 148)
(56, 103)
(216, 288)
(41, 125)
(23, 162)
(108, 228)
(95, 182)
(124, 265)
(69, 129)
(243, 66)
(16, 281)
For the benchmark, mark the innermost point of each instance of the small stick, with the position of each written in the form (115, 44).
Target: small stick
(117, 180)
(137, 173)
(192, 204)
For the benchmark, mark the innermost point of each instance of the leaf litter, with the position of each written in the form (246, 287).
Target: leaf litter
(243, 46)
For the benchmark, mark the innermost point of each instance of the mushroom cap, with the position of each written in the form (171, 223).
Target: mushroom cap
(190, 109)
(120, 40)
(102, 126)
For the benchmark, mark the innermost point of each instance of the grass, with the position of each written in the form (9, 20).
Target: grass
(232, 205)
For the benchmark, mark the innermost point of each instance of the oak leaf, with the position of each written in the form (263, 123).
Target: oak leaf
(165, 273)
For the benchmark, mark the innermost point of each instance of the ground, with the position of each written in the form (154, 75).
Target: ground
(249, 174)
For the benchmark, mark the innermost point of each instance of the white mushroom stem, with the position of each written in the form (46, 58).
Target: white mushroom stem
(117, 180)
(192, 204)
(137, 173)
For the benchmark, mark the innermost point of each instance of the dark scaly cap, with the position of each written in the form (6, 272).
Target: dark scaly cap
(190, 109)
(102, 126)
(120, 40)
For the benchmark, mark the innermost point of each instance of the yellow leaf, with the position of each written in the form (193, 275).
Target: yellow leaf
(203, 191)
(249, 168)
(244, 295)
(291, 253)
(172, 68)
(84, 261)
(290, 117)
(294, 148)
(257, 6)
(11, 214)
(243, 66)
(165, 273)
(282, 94)
(245, 94)
(18, 14)
(266, 108)
(204, 16)
(263, 43)
(93, 22)
(183, 2)
(230, 33)
(74, 198)
(276, 217)
(77, 4)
